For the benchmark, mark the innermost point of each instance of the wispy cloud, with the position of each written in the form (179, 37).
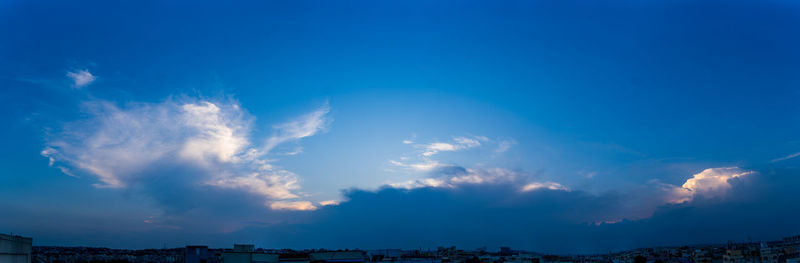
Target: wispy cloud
(505, 145)
(296, 151)
(274, 184)
(81, 78)
(294, 205)
(459, 143)
(423, 160)
(423, 166)
(544, 185)
(455, 176)
(329, 202)
(304, 126)
(203, 142)
(410, 140)
(786, 157)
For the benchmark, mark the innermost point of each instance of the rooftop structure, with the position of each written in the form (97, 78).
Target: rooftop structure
(15, 249)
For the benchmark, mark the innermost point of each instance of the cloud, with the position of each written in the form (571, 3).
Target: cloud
(216, 135)
(471, 215)
(450, 176)
(329, 202)
(458, 175)
(544, 185)
(296, 205)
(304, 126)
(436, 147)
(418, 183)
(275, 185)
(81, 78)
(545, 220)
(116, 144)
(505, 145)
(424, 161)
(296, 151)
(424, 166)
(459, 143)
(492, 213)
(786, 157)
(193, 147)
(196, 158)
(710, 183)
(410, 140)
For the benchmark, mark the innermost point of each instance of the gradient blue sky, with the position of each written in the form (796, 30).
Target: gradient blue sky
(537, 124)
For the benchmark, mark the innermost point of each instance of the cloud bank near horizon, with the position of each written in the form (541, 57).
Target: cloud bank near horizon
(554, 220)
(476, 215)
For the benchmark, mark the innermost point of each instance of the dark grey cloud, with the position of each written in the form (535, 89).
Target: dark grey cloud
(763, 207)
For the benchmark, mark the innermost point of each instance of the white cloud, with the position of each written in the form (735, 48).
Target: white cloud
(424, 166)
(296, 151)
(483, 176)
(81, 78)
(122, 146)
(436, 147)
(304, 126)
(420, 183)
(292, 206)
(217, 136)
(544, 185)
(711, 183)
(48, 152)
(65, 171)
(425, 162)
(276, 185)
(410, 140)
(460, 143)
(505, 145)
(479, 176)
(329, 202)
(116, 144)
(786, 157)
(469, 142)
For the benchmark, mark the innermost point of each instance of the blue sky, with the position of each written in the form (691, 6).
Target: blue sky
(143, 123)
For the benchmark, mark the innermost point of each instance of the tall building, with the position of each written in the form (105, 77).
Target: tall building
(15, 249)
